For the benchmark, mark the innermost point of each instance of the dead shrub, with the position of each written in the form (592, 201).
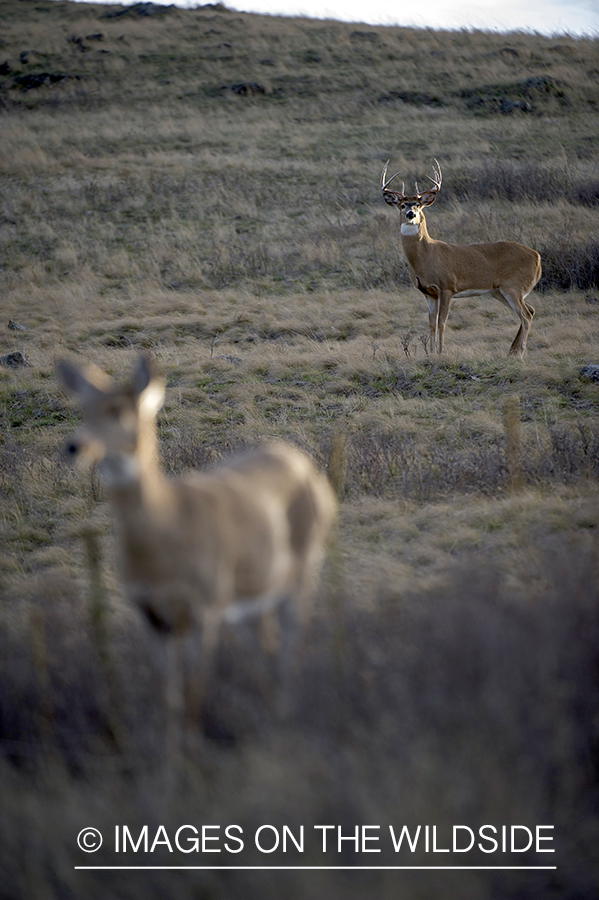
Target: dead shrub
(467, 704)
(395, 464)
(567, 265)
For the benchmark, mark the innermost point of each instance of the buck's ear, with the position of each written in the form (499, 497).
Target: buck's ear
(427, 198)
(148, 386)
(392, 198)
(83, 385)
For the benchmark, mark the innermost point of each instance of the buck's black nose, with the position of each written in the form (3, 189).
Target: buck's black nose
(72, 448)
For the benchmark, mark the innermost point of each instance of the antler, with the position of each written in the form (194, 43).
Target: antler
(385, 184)
(435, 180)
(437, 176)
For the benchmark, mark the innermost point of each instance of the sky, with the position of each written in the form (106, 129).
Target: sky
(549, 17)
(577, 17)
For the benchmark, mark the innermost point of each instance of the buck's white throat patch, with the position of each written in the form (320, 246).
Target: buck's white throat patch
(408, 228)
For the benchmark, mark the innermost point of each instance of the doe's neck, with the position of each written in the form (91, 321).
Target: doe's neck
(138, 479)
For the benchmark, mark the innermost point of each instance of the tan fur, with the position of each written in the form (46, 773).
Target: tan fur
(209, 546)
(507, 270)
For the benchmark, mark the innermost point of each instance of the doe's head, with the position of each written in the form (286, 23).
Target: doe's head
(113, 415)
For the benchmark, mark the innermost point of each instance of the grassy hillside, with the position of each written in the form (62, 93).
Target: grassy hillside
(205, 185)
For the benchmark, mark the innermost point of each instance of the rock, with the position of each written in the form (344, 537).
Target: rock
(589, 373)
(139, 9)
(247, 88)
(38, 79)
(507, 106)
(14, 360)
(415, 98)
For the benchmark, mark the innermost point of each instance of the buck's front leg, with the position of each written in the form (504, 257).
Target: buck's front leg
(431, 295)
(433, 321)
(444, 304)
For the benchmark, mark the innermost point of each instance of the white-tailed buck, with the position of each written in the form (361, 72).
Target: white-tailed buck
(442, 272)
(209, 547)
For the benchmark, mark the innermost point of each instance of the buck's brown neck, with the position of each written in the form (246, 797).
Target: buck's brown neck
(415, 243)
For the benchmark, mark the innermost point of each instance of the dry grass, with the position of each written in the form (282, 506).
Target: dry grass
(241, 238)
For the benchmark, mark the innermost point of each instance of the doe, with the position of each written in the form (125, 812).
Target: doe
(208, 547)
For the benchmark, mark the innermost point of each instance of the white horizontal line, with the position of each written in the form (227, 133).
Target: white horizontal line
(327, 868)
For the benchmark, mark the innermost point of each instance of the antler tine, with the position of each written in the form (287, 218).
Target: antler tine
(437, 176)
(385, 184)
(385, 167)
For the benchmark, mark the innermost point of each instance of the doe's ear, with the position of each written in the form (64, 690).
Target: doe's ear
(148, 387)
(142, 373)
(427, 198)
(151, 398)
(75, 381)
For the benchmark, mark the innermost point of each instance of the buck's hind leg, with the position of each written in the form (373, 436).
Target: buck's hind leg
(514, 300)
(526, 313)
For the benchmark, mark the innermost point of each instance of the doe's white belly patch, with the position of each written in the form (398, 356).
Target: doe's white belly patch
(248, 609)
